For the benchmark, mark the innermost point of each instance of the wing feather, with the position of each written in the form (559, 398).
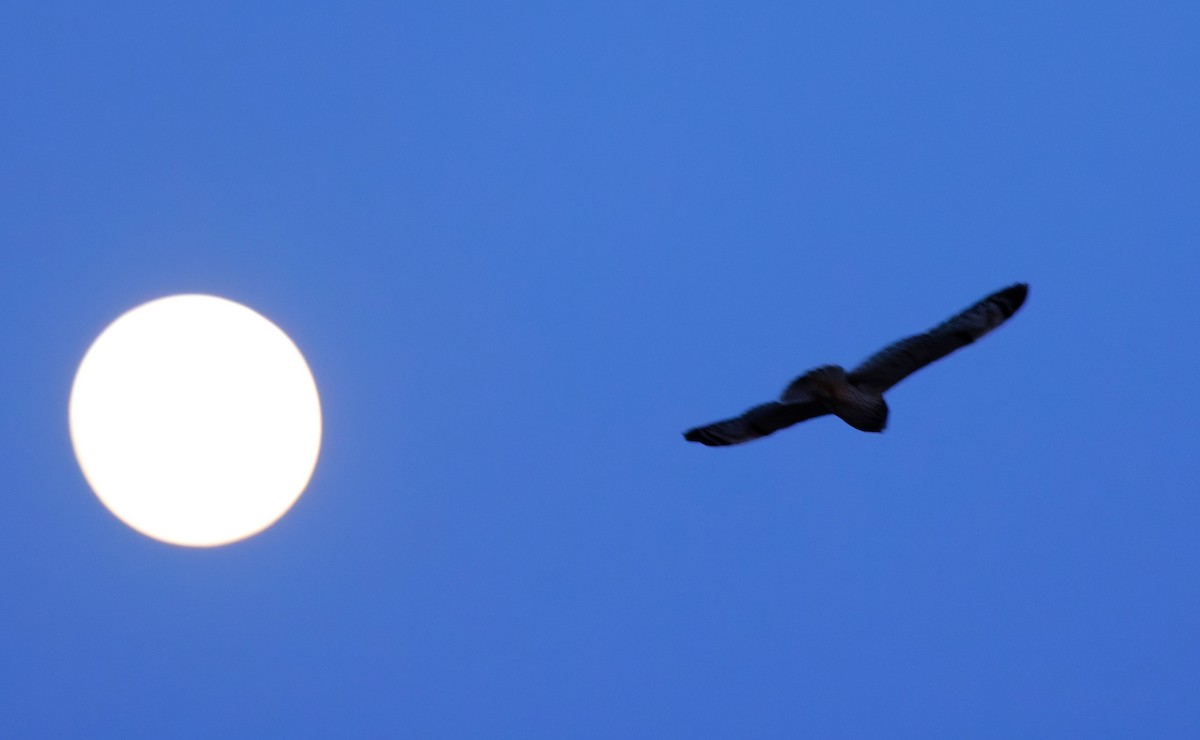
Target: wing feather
(757, 422)
(899, 360)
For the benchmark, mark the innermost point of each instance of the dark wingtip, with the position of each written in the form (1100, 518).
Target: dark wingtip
(1013, 297)
(704, 437)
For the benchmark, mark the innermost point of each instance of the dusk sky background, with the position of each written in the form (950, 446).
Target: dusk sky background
(523, 246)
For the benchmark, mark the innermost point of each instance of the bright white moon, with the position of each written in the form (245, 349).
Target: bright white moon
(196, 420)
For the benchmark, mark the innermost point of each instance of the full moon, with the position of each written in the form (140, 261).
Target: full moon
(196, 421)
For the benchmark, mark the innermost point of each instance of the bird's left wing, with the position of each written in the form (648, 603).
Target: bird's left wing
(897, 361)
(756, 422)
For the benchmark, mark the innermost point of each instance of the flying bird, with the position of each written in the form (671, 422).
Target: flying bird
(857, 396)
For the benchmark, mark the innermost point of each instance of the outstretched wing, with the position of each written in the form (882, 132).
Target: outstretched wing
(756, 422)
(903, 358)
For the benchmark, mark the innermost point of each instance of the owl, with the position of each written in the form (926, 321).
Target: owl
(856, 396)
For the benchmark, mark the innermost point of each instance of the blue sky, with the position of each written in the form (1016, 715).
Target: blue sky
(523, 247)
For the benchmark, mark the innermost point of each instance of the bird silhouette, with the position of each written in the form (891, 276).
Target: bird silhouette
(857, 396)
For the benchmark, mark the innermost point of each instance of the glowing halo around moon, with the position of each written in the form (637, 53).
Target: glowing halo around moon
(196, 420)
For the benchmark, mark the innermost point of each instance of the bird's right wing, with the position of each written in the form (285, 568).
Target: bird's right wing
(897, 361)
(756, 422)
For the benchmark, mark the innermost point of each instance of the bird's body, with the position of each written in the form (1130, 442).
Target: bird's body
(857, 396)
(859, 406)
